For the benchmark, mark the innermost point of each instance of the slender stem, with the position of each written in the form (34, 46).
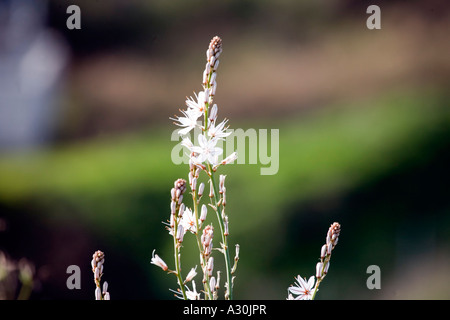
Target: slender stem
(226, 252)
(177, 260)
(25, 291)
(322, 276)
(199, 244)
(216, 198)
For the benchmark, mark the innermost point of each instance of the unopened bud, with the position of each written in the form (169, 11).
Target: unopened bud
(210, 266)
(98, 294)
(203, 213)
(181, 210)
(323, 251)
(319, 267)
(201, 188)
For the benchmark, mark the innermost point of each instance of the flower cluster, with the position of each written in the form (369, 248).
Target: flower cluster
(202, 107)
(306, 290)
(97, 262)
(204, 156)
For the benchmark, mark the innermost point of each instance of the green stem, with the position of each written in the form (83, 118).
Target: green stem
(226, 252)
(25, 291)
(322, 276)
(177, 260)
(199, 244)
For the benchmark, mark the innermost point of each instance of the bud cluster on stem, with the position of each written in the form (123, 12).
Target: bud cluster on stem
(97, 263)
(325, 254)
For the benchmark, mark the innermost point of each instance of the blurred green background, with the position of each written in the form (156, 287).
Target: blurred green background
(364, 123)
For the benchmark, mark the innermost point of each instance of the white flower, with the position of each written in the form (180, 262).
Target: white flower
(156, 260)
(207, 151)
(198, 106)
(188, 221)
(191, 274)
(192, 295)
(189, 121)
(187, 143)
(218, 132)
(303, 289)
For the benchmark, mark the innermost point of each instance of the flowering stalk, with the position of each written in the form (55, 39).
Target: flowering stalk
(306, 290)
(325, 254)
(193, 177)
(203, 157)
(177, 228)
(97, 262)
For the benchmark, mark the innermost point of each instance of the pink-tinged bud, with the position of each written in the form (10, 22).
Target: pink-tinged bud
(329, 248)
(156, 260)
(205, 78)
(212, 284)
(211, 189)
(225, 224)
(201, 188)
(209, 53)
(194, 184)
(203, 213)
(216, 65)
(97, 274)
(210, 266)
(212, 61)
(319, 267)
(173, 207)
(325, 271)
(213, 78)
(323, 251)
(180, 233)
(98, 294)
(213, 89)
(181, 210)
(213, 113)
(180, 200)
(231, 158)
(224, 196)
(206, 96)
(222, 183)
(191, 274)
(208, 68)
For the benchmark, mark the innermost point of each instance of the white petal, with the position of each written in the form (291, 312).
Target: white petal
(310, 283)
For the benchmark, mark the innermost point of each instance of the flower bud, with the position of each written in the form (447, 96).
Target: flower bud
(323, 251)
(210, 266)
(98, 294)
(191, 274)
(156, 260)
(319, 267)
(203, 213)
(201, 188)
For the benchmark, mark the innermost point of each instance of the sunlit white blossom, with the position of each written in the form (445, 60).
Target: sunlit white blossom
(219, 131)
(198, 105)
(303, 289)
(207, 150)
(189, 121)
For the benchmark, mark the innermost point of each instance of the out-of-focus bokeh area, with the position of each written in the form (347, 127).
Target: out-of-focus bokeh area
(364, 139)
